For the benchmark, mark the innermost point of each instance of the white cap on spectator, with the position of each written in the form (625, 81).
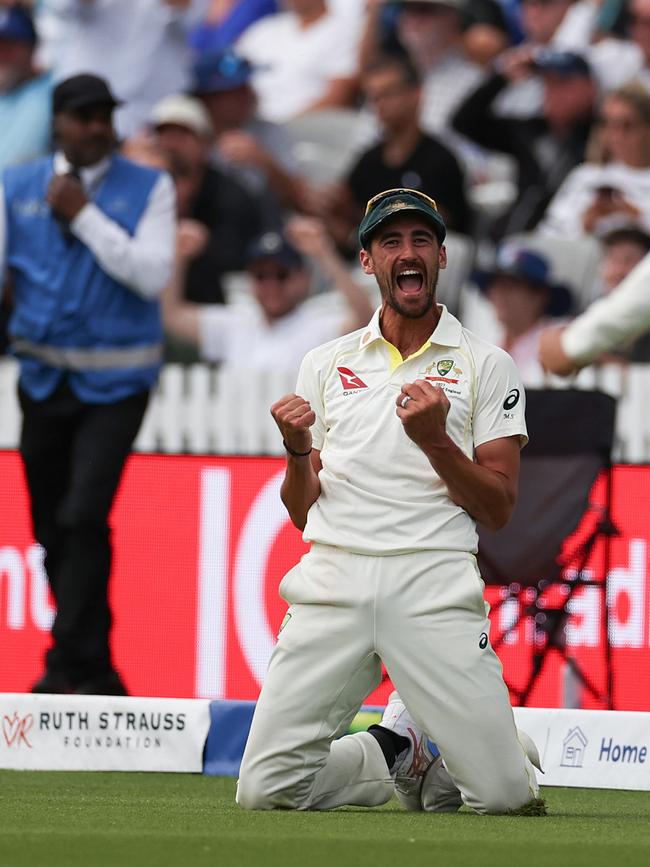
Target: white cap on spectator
(183, 111)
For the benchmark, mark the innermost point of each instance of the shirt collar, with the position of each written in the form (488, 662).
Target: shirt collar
(91, 176)
(447, 332)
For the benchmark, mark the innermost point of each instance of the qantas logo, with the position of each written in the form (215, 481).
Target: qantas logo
(349, 380)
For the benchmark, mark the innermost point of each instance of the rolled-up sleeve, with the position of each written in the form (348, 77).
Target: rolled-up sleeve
(142, 262)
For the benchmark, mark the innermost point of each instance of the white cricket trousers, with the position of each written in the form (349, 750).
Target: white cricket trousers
(424, 615)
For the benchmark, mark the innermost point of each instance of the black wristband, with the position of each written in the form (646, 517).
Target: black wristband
(295, 454)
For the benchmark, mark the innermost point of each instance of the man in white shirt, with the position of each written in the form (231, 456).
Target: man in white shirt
(607, 324)
(304, 58)
(140, 48)
(87, 241)
(400, 436)
(283, 323)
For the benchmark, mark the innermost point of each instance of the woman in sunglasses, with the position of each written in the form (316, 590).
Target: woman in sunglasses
(613, 189)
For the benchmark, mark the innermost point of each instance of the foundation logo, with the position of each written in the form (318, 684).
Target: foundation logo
(573, 748)
(15, 730)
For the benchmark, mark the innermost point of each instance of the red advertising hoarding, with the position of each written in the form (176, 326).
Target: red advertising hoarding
(200, 547)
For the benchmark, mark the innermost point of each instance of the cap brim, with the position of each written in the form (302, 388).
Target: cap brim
(82, 102)
(366, 233)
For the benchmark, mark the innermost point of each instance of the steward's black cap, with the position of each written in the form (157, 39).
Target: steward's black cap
(80, 91)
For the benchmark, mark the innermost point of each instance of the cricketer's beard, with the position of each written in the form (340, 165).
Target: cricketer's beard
(386, 287)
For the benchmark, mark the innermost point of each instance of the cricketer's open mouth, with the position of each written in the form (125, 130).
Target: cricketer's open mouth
(410, 281)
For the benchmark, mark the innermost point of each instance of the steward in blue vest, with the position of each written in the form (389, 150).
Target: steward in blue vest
(88, 239)
(69, 313)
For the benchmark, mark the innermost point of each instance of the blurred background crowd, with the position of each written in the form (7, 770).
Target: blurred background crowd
(527, 120)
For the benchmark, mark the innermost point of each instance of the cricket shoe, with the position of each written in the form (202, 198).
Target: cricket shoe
(420, 760)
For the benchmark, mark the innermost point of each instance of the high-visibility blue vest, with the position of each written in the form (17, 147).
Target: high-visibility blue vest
(70, 317)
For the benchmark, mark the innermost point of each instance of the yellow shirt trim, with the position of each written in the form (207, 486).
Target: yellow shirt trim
(396, 356)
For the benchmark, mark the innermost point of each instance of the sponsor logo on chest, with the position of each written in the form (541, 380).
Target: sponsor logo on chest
(350, 381)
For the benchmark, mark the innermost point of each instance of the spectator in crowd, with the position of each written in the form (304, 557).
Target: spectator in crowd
(304, 59)
(183, 130)
(88, 239)
(285, 323)
(146, 151)
(25, 94)
(545, 147)
(615, 38)
(542, 25)
(140, 48)
(404, 157)
(488, 29)
(257, 152)
(225, 21)
(613, 190)
(430, 32)
(525, 299)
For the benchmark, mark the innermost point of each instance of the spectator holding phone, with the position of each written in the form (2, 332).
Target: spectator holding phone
(614, 190)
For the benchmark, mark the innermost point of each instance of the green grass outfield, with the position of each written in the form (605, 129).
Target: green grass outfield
(178, 820)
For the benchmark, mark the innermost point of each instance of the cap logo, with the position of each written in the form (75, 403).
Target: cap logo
(271, 242)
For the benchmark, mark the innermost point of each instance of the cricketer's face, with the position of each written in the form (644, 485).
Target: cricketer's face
(405, 258)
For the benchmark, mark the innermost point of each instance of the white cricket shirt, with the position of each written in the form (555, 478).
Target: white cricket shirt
(379, 493)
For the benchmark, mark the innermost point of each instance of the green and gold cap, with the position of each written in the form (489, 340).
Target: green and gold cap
(400, 200)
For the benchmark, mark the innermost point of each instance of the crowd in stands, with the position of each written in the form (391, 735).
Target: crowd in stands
(527, 120)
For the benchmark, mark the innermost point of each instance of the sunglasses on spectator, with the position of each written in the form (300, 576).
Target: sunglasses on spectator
(398, 191)
(279, 275)
(622, 124)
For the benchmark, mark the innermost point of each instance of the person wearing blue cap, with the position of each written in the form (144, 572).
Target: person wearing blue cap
(24, 93)
(525, 299)
(256, 151)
